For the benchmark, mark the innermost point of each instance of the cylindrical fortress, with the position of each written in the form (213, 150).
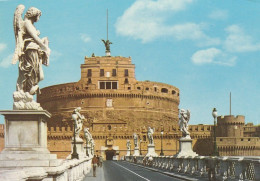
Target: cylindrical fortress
(109, 92)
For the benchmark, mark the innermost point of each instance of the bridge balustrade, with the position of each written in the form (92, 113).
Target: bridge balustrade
(224, 168)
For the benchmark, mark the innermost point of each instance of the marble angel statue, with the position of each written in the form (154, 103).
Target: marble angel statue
(87, 136)
(150, 135)
(183, 122)
(135, 140)
(78, 120)
(128, 145)
(30, 50)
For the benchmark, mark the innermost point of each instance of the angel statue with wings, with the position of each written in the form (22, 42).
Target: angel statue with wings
(128, 145)
(150, 135)
(183, 122)
(78, 121)
(135, 140)
(107, 45)
(30, 50)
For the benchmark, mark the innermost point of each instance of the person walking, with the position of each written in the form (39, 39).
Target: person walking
(100, 161)
(94, 164)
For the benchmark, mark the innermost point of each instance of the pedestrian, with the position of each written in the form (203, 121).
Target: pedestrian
(94, 164)
(100, 161)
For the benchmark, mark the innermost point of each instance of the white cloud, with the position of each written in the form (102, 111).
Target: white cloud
(145, 20)
(219, 14)
(85, 38)
(213, 56)
(2, 46)
(6, 62)
(55, 55)
(238, 41)
(193, 31)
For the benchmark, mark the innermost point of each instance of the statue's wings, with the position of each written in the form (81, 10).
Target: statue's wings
(188, 115)
(18, 32)
(104, 41)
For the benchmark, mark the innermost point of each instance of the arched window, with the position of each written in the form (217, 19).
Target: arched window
(164, 90)
(109, 127)
(173, 92)
(144, 138)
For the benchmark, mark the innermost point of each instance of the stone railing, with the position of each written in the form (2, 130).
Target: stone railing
(223, 168)
(69, 170)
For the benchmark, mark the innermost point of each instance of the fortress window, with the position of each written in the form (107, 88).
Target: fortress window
(89, 81)
(242, 139)
(221, 140)
(102, 72)
(139, 88)
(147, 88)
(77, 88)
(173, 92)
(108, 85)
(164, 90)
(114, 72)
(109, 127)
(114, 85)
(155, 89)
(144, 138)
(89, 72)
(126, 80)
(126, 72)
(129, 88)
(249, 139)
(102, 85)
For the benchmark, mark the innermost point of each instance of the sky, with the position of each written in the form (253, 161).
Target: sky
(205, 48)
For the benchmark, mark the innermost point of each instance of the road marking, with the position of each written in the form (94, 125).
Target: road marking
(132, 171)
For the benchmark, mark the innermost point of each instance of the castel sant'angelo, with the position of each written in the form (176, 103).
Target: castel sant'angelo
(116, 106)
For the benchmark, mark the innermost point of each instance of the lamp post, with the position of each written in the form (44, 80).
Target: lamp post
(74, 153)
(215, 149)
(140, 147)
(161, 154)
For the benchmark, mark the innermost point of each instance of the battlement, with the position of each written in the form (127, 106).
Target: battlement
(107, 59)
(231, 120)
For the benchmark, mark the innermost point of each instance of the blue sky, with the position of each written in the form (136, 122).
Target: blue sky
(205, 48)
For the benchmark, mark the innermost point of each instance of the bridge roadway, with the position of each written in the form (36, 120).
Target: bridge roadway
(125, 171)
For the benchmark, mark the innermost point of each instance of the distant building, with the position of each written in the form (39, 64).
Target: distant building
(234, 138)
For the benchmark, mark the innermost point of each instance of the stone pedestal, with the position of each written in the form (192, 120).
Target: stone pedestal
(151, 151)
(80, 148)
(26, 140)
(108, 54)
(136, 152)
(186, 148)
(128, 153)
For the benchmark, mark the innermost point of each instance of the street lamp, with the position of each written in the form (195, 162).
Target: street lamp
(74, 153)
(161, 154)
(140, 147)
(215, 149)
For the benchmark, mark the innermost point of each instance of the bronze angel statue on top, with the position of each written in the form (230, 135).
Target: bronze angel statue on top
(107, 45)
(30, 50)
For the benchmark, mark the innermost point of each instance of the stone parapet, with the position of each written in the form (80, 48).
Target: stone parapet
(69, 170)
(199, 167)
